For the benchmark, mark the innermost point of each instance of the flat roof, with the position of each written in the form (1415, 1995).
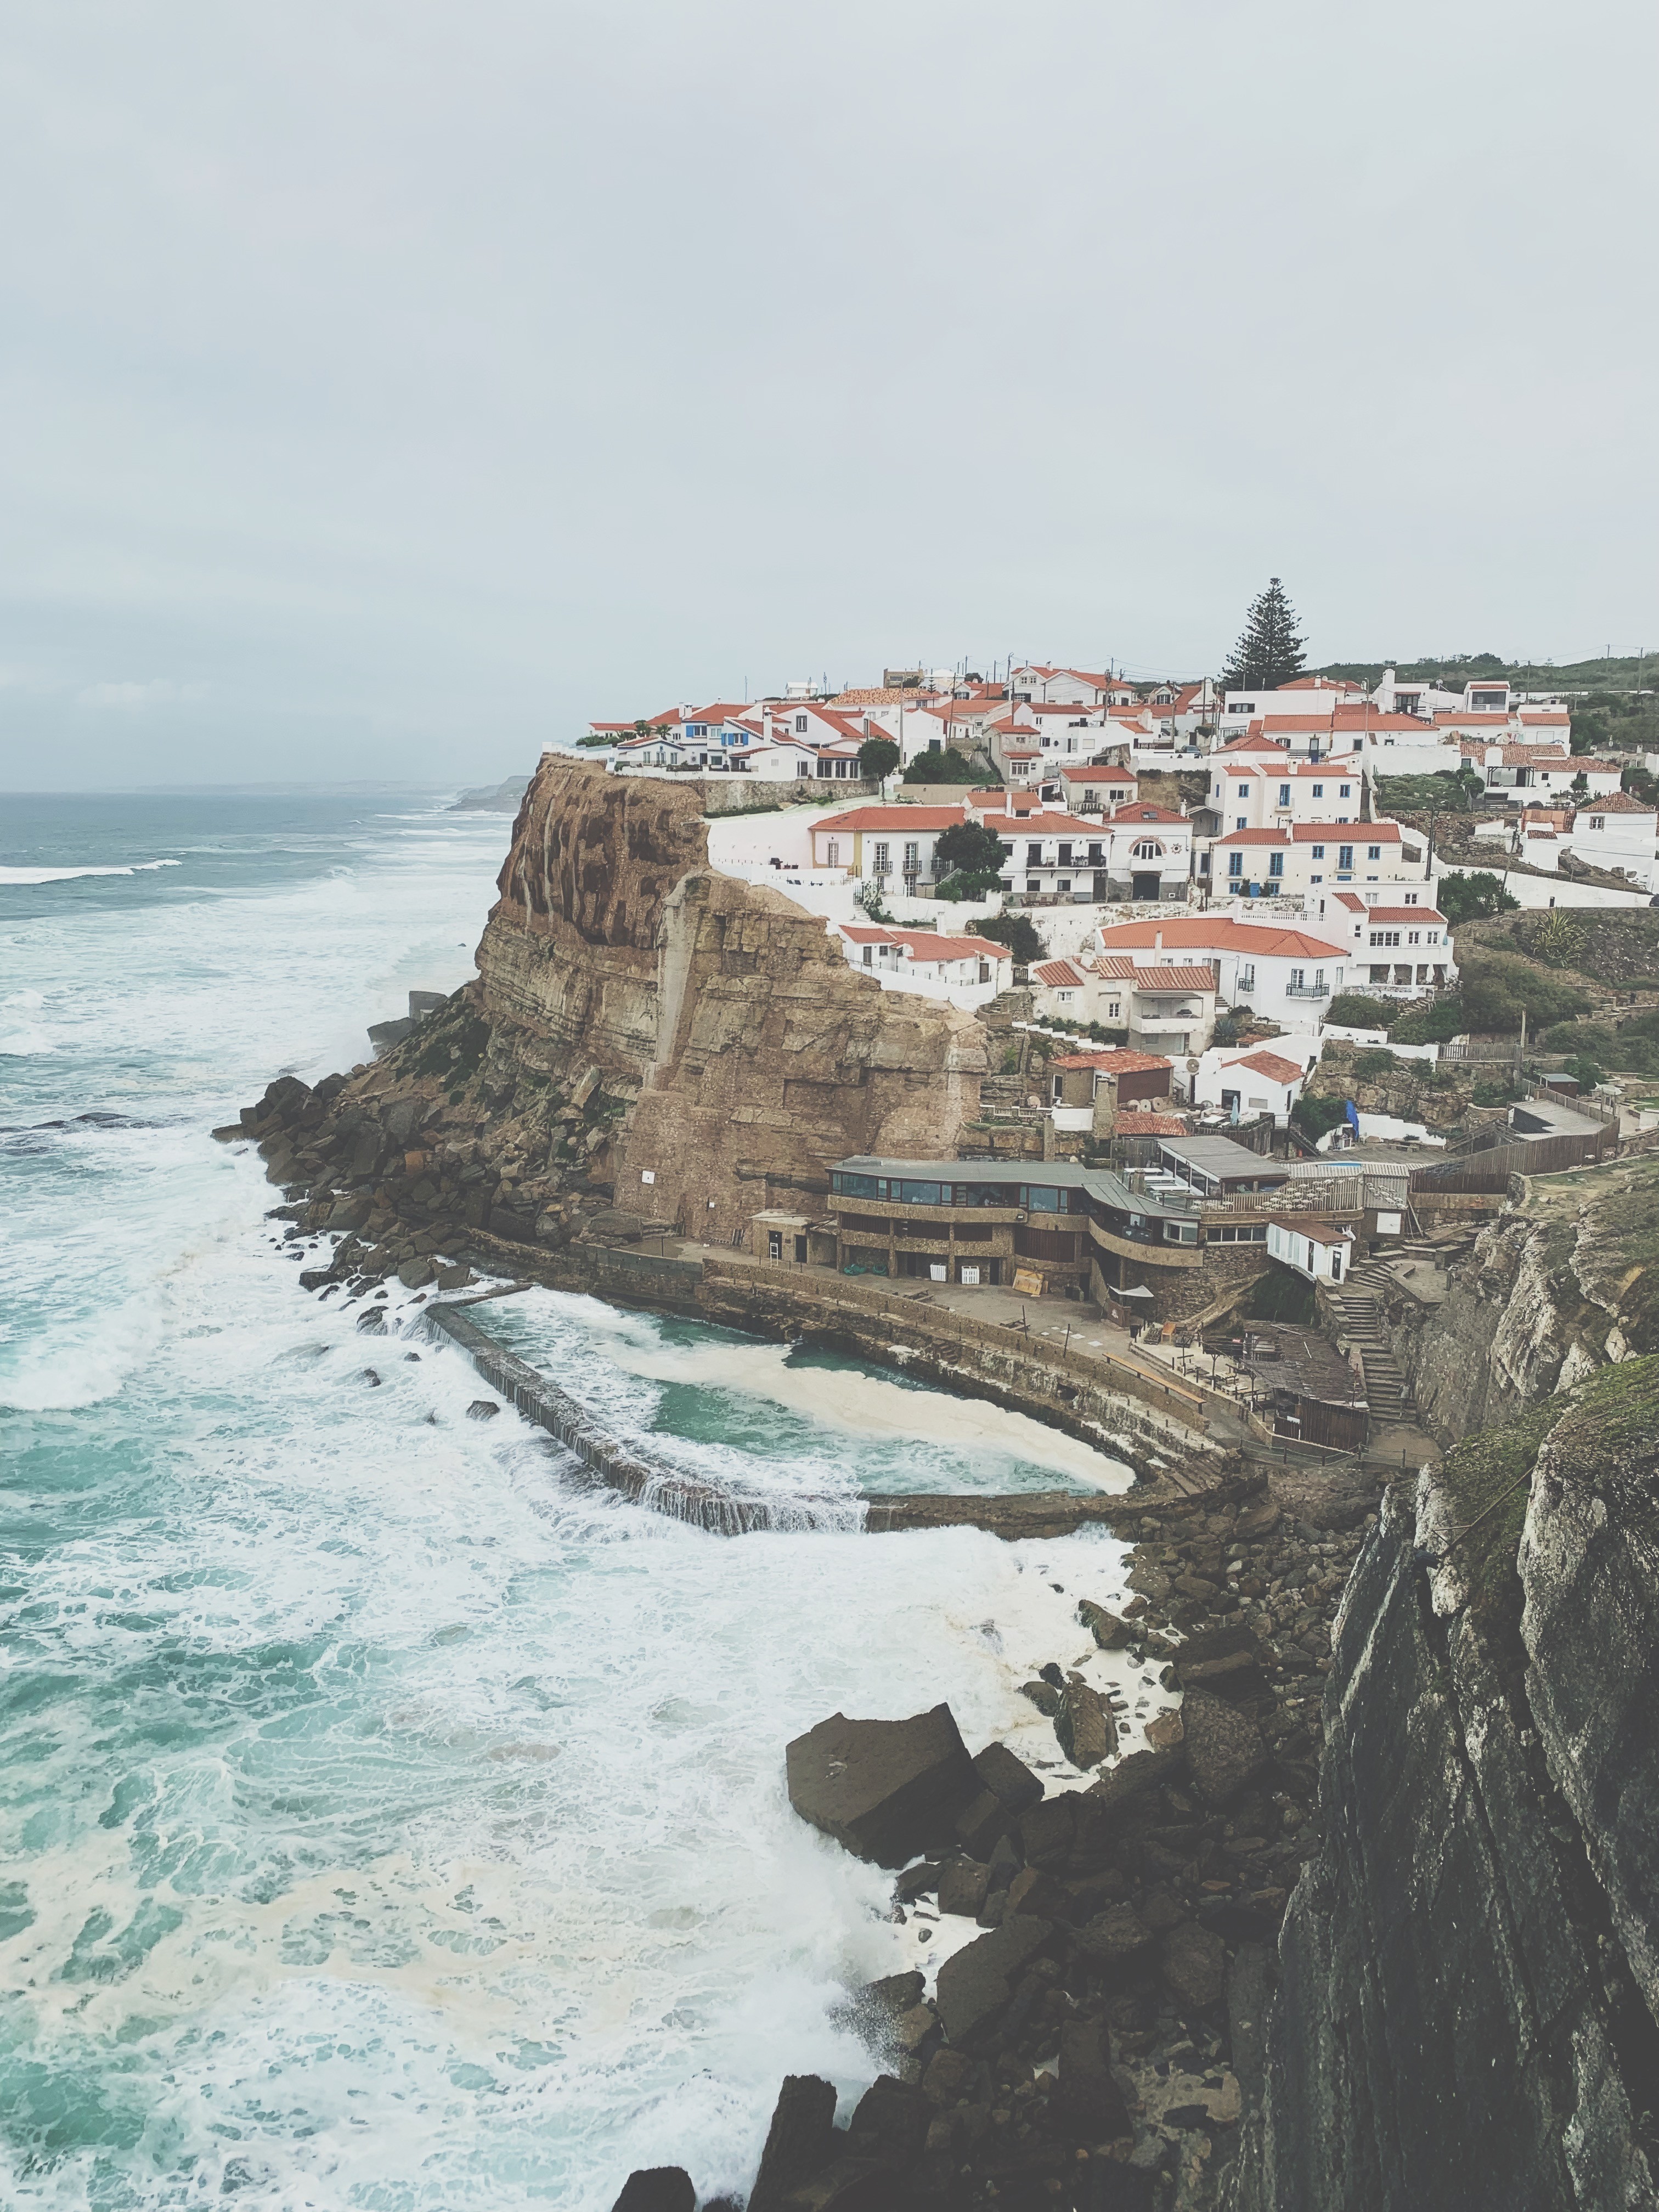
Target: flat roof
(1220, 1157)
(1048, 1175)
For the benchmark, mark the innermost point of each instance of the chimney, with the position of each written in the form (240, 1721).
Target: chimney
(1157, 940)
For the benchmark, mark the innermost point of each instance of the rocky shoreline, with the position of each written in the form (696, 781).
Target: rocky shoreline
(1099, 2041)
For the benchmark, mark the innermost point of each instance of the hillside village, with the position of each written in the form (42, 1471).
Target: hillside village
(1259, 1032)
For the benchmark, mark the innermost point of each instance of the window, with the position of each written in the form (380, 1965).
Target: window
(1235, 863)
(1148, 850)
(1598, 822)
(1181, 1233)
(1344, 791)
(1432, 937)
(1066, 997)
(1414, 938)
(912, 859)
(1345, 856)
(800, 726)
(1318, 852)
(1062, 883)
(1066, 856)
(869, 953)
(1114, 1009)
(1319, 790)
(1284, 794)
(1411, 899)
(1242, 822)
(1243, 790)
(1034, 883)
(880, 861)
(1385, 937)
(833, 848)
(920, 1193)
(1275, 864)
(1247, 974)
(1373, 852)
(774, 1243)
(1034, 856)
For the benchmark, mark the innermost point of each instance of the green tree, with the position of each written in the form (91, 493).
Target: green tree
(1269, 653)
(1474, 897)
(970, 849)
(878, 757)
(1017, 932)
(944, 766)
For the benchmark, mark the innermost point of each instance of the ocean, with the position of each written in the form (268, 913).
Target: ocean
(389, 1819)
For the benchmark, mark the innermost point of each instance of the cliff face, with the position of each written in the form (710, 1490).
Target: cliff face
(722, 1016)
(1466, 2015)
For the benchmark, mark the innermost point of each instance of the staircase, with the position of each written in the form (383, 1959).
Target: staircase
(1386, 1392)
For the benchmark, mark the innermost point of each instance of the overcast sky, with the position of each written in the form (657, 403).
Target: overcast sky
(389, 386)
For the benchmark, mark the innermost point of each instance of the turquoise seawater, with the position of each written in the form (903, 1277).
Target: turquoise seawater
(387, 1819)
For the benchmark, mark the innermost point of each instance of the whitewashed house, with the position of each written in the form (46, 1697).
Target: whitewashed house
(1317, 1253)
(1285, 973)
(1268, 1079)
(967, 971)
(1167, 1007)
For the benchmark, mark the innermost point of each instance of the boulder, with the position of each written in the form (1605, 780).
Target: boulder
(1111, 1632)
(962, 1888)
(1092, 2105)
(454, 1279)
(889, 2123)
(1117, 1937)
(1132, 1776)
(949, 2077)
(1224, 1747)
(1046, 1831)
(1084, 1725)
(1033, 1892)
(415, 1275)
(658, 2189)
(983, 1820)
(482, 1409)
(404, 1116)
(1194, 1960)
(851, 2185)
(800, 2141)
(1237, 1677)
(976, 1983)
(1006, 1776)
(885, 1790)
(1044, 1696)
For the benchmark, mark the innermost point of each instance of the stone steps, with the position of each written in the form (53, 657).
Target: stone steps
(1386, 1390)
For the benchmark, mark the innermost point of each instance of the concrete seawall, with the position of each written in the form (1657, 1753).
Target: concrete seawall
(616, 1467)
(1023, 1514)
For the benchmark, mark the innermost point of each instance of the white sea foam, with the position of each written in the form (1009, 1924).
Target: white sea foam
(394, 1817)
(69, 875)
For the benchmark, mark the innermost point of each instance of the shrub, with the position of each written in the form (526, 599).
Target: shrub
(1373, 1062)
(1474, 897)
(1313, 1116)
(1351, 1010)
(1495, 1091)
(1553, 937)
(1430, 1024)
(943, 767)
(1586, 1070)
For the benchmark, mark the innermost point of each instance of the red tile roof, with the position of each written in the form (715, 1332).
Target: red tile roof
(1405, 913)
(1140, 1123)
(1269, 1064)
(1266, 939)
(1616, 802)
(892, 817)
(1346, 833)
(1174, 979)
(1114, 1061)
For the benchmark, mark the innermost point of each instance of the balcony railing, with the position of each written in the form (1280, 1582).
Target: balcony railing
(1307, 991)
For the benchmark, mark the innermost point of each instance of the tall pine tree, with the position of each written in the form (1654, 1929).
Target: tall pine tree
(1269, 653)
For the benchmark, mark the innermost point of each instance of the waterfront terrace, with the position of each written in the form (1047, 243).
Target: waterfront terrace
(1172, 1237)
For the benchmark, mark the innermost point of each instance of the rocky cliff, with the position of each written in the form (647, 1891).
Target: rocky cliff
(1467, 2004)
(645, 1034)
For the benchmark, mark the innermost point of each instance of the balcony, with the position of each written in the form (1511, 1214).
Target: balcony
(1307, 991)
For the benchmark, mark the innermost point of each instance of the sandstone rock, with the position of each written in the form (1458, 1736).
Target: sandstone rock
(658, 2189)
(372, 1323)
(415, 1275)
(1194, 1961)
(1044, 1696)
(482, 1409)
(456, 1278)
(1091, 2102)
(976, 1983)
(886, 1789)
(800, 2142)
(1224, 1747)
(849, 2185)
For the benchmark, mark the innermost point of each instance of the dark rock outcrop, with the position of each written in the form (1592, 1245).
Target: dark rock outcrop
(886, 1789)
